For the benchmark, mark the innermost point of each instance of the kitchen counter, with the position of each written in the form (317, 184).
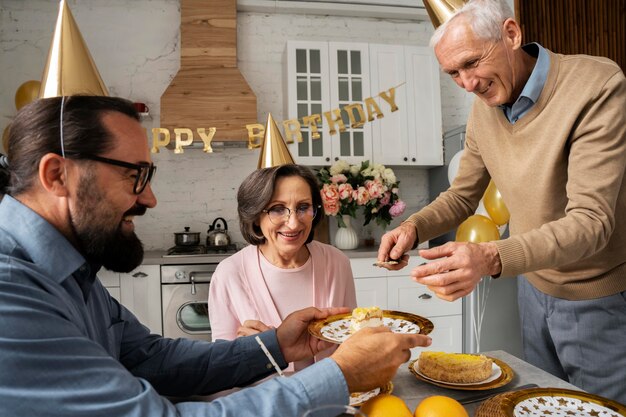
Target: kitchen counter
(155, 257)
(413, 390)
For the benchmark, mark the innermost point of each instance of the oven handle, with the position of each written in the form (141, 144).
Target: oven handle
(192, 276)
(200, 276)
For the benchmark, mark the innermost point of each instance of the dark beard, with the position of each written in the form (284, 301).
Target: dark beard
(100, 241)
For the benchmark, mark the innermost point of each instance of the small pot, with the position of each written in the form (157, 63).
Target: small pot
(187, 238)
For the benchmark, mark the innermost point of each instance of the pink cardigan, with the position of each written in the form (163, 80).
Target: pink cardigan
(238, 291)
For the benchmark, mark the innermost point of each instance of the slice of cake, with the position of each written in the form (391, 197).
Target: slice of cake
(366, 317)
(455, 367)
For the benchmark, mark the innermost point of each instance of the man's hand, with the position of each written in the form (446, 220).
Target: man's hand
(250, 327)
(370, 358)
(395, 243)
(457, 268)
(293, 334)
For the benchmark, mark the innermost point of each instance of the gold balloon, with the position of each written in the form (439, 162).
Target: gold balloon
(5, 138)
(477, 229)
(26, 93)
(495, 205)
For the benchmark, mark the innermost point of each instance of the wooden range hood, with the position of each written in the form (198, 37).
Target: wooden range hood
(209, 90)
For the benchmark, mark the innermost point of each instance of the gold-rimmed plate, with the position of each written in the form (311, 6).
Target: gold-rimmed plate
(501, 374)
(559, 402)
(358, 398)
(336, 329)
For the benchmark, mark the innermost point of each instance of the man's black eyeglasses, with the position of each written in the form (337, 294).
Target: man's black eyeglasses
(145, 171)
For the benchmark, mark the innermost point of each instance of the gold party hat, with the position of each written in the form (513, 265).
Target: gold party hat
(441, 10)
(70, 70)
(274, 151)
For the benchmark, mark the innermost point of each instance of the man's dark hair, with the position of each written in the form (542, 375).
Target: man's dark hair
(35, 132)
(255, 193)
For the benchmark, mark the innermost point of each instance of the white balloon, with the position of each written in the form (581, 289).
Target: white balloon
(453, 168)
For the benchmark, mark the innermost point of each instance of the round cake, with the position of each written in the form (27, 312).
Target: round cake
(454, 367)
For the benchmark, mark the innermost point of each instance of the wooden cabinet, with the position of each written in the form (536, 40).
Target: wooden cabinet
(324, 76)
(394, 290)
(139, 291)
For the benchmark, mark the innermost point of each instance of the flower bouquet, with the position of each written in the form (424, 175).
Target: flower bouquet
(347, 188)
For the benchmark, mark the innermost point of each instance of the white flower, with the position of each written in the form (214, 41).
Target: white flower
(388, 176)
(339, 167)
(354, 170)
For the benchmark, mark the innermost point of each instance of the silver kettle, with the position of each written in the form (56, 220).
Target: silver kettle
(216, 236)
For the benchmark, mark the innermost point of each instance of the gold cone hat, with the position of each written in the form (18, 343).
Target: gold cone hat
(441, 10)
(274, 151)
(70, 70)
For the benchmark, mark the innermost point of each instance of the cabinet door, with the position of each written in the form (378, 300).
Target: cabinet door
(390, 134)
(349, 83)
(141, 294)
(407, 295)
(424, 105)
(371, 292)
(447, 336)
(308, 93)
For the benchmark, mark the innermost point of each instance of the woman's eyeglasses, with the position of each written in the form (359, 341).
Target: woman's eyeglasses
(145, 171)
(281, 214)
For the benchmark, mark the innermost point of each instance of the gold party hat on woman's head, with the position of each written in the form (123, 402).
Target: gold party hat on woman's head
(274, 151)
(441, 10)
(70, 70)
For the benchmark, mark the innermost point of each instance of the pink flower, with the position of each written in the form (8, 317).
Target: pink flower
(362, 196)
(338, 179)
(375, 188)
(397, 209)
(330, 199)
(385, 200)
(345, 192)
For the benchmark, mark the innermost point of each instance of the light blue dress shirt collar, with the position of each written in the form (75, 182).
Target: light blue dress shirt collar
(531, 91)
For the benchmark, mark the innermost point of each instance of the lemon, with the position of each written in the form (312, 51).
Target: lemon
(386, 405)
(440, 406)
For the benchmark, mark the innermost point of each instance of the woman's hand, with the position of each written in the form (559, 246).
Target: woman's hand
(250, 327)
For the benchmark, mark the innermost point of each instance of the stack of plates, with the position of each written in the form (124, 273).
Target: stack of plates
(538, 402)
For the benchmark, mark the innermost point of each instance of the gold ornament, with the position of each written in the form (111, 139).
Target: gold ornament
(274, 151)
(495, 206)
(5, 138)
(477, 229)
(441, 10)
(27, 92)
(70, 70)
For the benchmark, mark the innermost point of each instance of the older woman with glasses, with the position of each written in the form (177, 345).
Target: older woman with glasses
(283, 269)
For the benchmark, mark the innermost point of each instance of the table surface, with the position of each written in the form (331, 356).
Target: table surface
(413, 390)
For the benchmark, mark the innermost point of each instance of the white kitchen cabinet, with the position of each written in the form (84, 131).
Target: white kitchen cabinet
(324, 76)
(411, 135)
(111, 281)
(394, 290)
(141, 293)
(348, 74)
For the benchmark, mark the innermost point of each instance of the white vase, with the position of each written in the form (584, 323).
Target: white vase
(346, 237)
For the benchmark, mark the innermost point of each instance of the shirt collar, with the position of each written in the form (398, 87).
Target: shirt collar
(533, 87)
(46, 247)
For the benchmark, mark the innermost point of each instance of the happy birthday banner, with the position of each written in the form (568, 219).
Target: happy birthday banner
(358, 114)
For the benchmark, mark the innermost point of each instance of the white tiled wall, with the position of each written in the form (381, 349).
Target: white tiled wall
(135, 44)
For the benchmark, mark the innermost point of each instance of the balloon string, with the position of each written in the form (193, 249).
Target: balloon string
(482, 295)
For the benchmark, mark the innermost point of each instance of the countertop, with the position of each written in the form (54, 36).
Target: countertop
(155, 257)
(413, 390)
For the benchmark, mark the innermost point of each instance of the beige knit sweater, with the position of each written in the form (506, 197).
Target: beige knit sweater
(560, 171)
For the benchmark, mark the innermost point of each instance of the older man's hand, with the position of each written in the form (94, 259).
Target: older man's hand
(457, 268)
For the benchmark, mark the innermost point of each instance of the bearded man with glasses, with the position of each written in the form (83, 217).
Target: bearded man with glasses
(283, 269)
(77, 173)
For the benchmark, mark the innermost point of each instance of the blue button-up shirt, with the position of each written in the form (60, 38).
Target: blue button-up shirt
(531, 91)
(67, 348)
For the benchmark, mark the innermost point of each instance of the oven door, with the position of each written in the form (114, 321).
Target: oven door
(186, 314)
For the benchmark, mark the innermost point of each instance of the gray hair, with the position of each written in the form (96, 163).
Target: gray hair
(484, 16)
